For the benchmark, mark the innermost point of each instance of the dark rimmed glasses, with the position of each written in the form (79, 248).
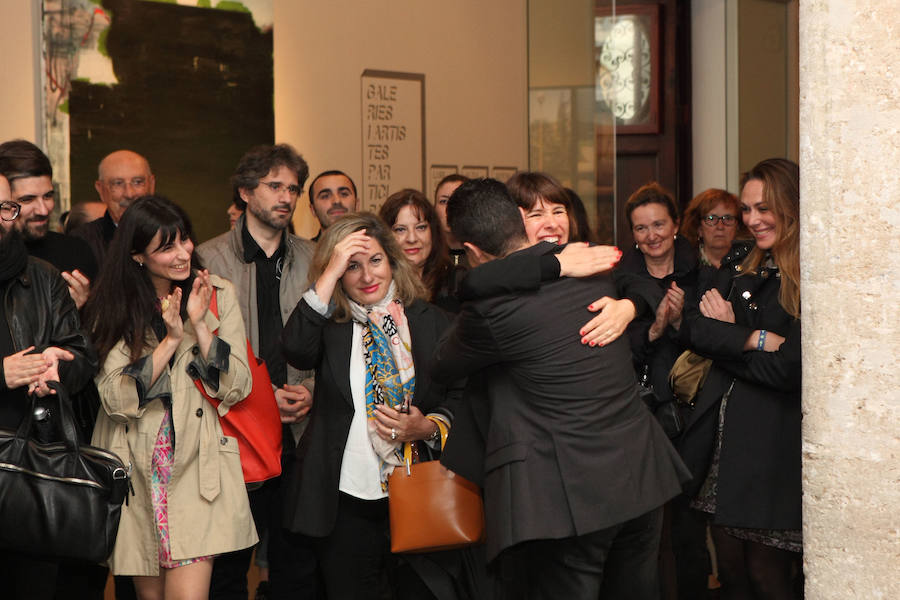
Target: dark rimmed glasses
(713, 220)
(9, 210)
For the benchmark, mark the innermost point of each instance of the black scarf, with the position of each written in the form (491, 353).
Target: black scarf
(13, 255)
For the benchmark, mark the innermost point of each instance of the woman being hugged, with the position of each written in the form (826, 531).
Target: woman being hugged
(370, 336)
(150, 318)
(743, 441)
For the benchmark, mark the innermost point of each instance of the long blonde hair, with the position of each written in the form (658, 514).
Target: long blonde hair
(781, 192)
(407, 283)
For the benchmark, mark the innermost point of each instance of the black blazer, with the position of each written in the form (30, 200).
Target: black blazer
(759, 469)
(661, 354)
(570, 447)
(312, 341)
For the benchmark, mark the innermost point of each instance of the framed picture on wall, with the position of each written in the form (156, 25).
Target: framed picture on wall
(114, 79)
(438, 172)
(473, 172)
(503, 173)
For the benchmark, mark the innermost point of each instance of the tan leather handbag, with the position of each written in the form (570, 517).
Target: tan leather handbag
(688, 375)
(432, 508)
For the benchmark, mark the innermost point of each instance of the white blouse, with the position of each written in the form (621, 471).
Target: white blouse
(360, 464)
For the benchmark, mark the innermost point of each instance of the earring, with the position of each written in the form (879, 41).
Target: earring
(636, 246)
(141, 264)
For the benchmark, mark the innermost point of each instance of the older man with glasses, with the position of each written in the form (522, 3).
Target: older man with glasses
(122, 177)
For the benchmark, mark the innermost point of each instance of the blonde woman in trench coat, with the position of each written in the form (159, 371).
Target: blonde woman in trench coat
(151, 323)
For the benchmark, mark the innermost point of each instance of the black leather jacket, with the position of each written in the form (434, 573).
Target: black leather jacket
(40, 313)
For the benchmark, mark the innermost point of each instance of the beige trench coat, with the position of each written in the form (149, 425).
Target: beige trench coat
(208, 508)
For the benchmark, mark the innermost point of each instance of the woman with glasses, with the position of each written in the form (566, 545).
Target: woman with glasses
(711, 223)
(742, 442)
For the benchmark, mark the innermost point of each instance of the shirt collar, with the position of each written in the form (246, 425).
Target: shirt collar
(252, 251)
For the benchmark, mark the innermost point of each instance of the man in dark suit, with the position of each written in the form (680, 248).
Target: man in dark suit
(576, 468)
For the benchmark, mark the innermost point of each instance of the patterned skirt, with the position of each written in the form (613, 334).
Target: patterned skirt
(161, 465)
(784, 539)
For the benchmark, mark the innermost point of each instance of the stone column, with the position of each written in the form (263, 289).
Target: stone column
(850, 253)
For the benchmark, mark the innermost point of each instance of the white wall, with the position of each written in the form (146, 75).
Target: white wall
(21, 77)
(473, 55)
(708, 94)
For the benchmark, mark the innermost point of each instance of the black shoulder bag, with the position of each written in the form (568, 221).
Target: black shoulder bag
(58, 499)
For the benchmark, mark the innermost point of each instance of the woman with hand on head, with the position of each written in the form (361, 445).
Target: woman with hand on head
(154, 331)
(711, 223)
(742, 442)
(365, 327)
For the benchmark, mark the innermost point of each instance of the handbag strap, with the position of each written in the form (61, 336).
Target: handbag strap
(60, 413)
(407, 446)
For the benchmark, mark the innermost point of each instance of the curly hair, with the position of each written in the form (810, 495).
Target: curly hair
(434, 271)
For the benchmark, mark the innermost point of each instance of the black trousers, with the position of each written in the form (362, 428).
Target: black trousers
(356, 560)
(23, 577)
(618, 562)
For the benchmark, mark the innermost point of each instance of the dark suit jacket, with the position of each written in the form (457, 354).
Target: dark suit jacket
(312, 341)
(98, 234)
(570, 448)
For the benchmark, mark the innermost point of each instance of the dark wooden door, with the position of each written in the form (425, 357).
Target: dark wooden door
(652, 133)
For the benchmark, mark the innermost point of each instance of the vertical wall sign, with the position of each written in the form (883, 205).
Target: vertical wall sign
(393, 134)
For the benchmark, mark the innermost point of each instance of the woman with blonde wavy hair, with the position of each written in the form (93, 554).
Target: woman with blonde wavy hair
(366, 329)
(743, 440)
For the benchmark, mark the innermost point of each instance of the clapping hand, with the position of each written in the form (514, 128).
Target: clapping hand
(199, 298)
(713, 306)
(171, 314)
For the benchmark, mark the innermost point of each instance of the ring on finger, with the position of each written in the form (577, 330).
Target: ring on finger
(393, 433)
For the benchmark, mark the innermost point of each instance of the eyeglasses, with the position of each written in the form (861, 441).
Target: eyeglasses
(119, 184)
(9, 210)
(276, 186)
(713, 220)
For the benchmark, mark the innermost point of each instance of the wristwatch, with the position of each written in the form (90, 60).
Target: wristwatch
(435, 436)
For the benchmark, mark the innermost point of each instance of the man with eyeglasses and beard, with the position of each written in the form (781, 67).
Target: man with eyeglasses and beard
(122, 177)
(30, 177)
(268, 267)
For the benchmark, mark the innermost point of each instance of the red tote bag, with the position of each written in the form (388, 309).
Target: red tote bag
(254, 421)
